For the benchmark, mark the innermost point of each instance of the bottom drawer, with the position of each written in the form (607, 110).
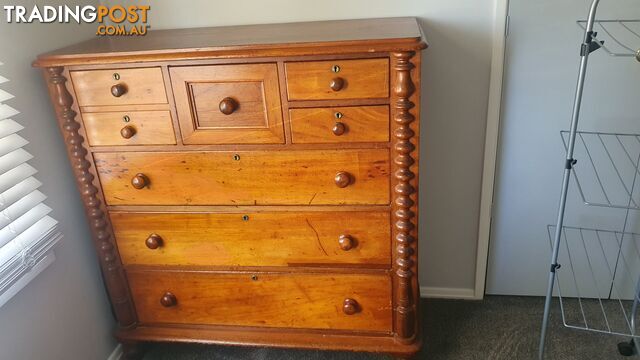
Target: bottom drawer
(303, 300)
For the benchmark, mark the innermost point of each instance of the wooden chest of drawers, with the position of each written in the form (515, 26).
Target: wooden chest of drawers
(252, 185)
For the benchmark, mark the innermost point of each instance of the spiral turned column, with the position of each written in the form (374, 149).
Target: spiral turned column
(101, 229)
(403, 206)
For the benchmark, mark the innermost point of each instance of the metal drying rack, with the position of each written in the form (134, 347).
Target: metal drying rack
(599, 264)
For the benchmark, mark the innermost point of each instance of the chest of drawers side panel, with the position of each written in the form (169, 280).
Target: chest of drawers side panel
(84, 170)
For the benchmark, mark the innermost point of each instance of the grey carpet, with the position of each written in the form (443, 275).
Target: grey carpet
(497, 328)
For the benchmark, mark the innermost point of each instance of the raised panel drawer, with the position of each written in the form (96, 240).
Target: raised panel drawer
(311, 177)
(119, 87)
(338, 79)
(129, 128)
(340, 124)
(228, 104)
(304, 300)
(254, 239)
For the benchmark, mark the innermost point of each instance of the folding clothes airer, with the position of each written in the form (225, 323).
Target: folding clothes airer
(620, 151)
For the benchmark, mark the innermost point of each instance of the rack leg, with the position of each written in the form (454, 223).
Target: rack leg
(629, 348)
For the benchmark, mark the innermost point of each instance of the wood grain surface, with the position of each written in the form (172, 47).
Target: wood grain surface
(254, 238)
(246, 177)
(312, 301)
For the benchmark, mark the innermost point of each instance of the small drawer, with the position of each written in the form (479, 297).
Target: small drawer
(129, 128)
(303, 300)
(338, 79)
(340, 124)
(302, 177)
(228, 104)
(300, 238)
(119, 87)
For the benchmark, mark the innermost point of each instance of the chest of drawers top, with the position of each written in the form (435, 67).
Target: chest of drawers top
(252, 184)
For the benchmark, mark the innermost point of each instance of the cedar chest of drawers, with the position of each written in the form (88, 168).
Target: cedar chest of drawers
(251, 185)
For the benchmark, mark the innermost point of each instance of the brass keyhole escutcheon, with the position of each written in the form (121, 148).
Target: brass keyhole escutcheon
(245, 217)
(254, 277)
(116, 76)
(126, 118)
(338, 115)
(236, 157)
(335, 68)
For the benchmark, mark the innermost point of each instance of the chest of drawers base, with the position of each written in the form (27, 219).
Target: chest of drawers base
(262, 196)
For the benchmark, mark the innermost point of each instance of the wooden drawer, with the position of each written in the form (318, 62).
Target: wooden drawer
(312, 177)
(119, 87)
(340, 124)
(303, 300)
(228, 104)
(254, 239)
(129, 128)
(338, 79)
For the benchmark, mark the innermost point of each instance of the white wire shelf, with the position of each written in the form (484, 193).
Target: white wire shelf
(608, 165)
(596, 281)
(618, 38)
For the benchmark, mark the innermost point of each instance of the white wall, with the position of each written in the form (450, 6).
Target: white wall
(456, 80)
(63, 314)
(540, 77)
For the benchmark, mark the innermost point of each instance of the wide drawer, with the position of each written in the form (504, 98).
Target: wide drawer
(119, 87)
(303, 300)
(337, 79)
(254, 239)
(129, 128)
(311, 177)
(350, 124)
(228, 104)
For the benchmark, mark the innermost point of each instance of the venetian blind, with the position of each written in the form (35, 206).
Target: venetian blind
(27, 232)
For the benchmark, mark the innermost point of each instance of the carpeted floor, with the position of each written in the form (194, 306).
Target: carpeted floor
(498, 328)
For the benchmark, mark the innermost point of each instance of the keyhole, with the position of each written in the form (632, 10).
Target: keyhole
(236, 157)
(245, 217)
(126, 118)
(335, 68)
(254, 277)
(116, 76)
(338, 115)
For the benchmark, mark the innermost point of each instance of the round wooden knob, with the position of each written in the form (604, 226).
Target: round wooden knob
(228, 106)
(346, 242)
(350, 306)
(118, 90)
(154, 241)
(337, 84)
(140, 181)
(343, 179)
(127, 132)
(339, 128)
(168, 300)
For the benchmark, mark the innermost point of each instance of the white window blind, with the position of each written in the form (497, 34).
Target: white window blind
(27, 232)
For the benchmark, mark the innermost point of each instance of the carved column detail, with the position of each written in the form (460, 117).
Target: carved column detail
(98, 221)
(403, 192)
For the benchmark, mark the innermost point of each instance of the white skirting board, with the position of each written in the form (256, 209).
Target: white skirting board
(116, 354)
(447, 293)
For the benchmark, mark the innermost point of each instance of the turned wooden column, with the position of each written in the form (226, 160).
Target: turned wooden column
(404, 191)
(109, 259)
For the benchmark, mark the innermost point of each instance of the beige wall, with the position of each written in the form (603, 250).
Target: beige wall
(456, 81)
(63, 313)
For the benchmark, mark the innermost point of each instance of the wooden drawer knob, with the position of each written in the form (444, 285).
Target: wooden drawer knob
(339, 128)
(127, 132)
(350, 306)
(140, 181)
(228, 106)
(118, 90)
(337, 84)
(154, 241)
(169, 300)
(346, 242)
(342, 179)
